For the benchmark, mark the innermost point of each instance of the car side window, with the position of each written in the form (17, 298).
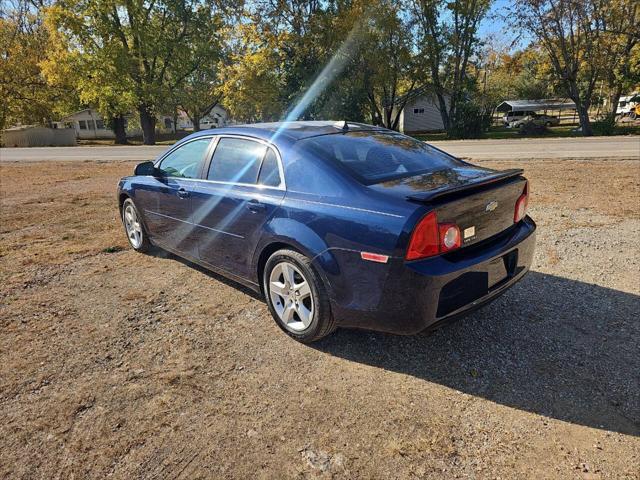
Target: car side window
(236, 160)
(269, 172)
(185, 160)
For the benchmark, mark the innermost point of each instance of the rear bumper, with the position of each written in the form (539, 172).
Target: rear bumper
(417, 295)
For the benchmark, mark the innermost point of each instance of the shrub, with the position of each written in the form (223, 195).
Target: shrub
(606, 126)
(532, 128)
(470, 121)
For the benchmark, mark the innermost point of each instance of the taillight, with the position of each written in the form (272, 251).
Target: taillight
(430, 238)
(449, 236)
(424, 239)
(521, 204)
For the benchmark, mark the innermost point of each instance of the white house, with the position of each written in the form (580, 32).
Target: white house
(87, 123)
(421, 114)
(217, 117)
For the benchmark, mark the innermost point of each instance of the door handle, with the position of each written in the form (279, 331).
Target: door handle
(182, 193)
(255, 206)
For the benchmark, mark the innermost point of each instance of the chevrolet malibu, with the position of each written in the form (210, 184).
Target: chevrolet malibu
(336, 224)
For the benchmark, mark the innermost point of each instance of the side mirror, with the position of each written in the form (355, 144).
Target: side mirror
(147, 169)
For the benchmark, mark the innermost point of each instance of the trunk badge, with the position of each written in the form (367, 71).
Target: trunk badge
(491, 206)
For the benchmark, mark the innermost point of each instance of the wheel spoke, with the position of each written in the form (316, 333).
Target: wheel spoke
(303, 289)
(289, 274)
(305, 314)
(287, 315)
(279, 288)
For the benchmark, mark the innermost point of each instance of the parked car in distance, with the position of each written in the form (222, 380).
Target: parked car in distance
(336, 224)
(536, 119)
(515, 115)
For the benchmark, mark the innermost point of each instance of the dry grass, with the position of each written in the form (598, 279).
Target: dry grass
(131, 366)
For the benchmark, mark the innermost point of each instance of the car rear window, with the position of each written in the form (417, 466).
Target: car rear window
(374, 157)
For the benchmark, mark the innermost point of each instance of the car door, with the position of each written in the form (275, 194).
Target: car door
(168, 210)
(244, 185)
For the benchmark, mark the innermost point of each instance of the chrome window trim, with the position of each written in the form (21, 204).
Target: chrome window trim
(234, 184)
(214, 139)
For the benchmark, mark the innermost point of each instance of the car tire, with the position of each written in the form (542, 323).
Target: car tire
(548, 124)
(133, 227)
(297, 297)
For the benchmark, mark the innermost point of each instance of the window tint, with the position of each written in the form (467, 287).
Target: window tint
(269, 173)
(185, 160)
(236, 160)
(377, 157)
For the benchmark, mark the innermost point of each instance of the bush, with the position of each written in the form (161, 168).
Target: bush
(532, 128)
(606, 126)
(470, 121)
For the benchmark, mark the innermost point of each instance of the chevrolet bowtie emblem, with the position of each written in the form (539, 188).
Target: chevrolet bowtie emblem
(491, 206)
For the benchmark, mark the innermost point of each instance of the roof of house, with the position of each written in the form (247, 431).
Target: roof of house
(543, 104)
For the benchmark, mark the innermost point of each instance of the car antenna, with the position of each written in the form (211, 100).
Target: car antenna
(343, 125)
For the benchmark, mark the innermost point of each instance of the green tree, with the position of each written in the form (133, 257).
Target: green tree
(25, 95)
(579, 37)
(448, 32)
(152, 46)
(387, 63)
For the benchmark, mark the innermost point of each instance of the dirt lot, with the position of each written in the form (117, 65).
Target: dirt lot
(116, 364)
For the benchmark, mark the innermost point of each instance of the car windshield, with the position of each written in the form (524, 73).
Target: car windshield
(374, 157)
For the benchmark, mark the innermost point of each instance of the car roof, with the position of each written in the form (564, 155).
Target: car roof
(292, 131)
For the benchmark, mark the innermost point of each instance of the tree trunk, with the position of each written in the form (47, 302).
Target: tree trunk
(118, 127)
(585, 123)
(442, 106)
(148, 124)
(196, 122)
(615, 99)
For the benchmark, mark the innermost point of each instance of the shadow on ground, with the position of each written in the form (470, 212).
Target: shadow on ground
(553, 346)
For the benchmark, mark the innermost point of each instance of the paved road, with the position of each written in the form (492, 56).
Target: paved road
(596, 147)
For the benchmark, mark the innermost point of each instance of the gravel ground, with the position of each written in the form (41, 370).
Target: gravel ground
(122, 365)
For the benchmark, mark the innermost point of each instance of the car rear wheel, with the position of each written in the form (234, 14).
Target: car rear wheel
(296, 296)
(133, 227)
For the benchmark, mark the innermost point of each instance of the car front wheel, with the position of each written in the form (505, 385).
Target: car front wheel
(133, 227)
(296, 296)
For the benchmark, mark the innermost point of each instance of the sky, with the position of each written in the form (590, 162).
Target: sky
(496, 28)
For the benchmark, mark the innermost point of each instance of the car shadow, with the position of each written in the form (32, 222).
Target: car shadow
(160, 253)
(552, 346)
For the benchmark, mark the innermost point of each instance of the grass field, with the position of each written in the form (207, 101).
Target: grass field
(115, 364)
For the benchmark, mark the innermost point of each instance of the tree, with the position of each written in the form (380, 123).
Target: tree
(96, 77)
(571, 32)
(387, 62)
(251, 80)
(448, 32)
(152, 46)
(26, 96)
(619, 20)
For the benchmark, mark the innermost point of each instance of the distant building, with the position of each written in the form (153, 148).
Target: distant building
(217, 117)
(420, 113)
(87, 123)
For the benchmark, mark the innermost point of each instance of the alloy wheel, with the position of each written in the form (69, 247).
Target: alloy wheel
(132, 226)
(291, 296)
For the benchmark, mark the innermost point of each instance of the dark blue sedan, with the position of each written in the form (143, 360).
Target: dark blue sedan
(337, 224)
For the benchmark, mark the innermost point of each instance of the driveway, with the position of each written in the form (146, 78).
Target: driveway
(595, 147)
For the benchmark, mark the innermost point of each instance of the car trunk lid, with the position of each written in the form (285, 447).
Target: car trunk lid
(480, 201)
